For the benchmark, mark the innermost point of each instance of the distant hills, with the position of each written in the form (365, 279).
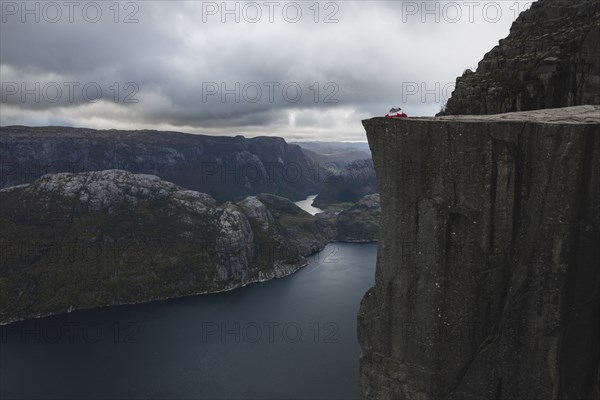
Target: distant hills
(92, 239)
(333, 148)
(227, 168)
(93, 218)
(354, 181)
(333, 156)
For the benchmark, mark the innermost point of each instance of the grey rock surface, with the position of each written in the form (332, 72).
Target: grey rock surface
(487, 280)
(551, 58)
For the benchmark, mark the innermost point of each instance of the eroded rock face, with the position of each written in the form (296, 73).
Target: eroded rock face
(227, 168)
(92, 239)
(551, 58)
(487, 281)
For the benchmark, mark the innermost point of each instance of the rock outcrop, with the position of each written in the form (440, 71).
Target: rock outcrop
(487, 281)
(93, 239)
(358, 224)
(227, 168)
(551, 58)
(349, 185)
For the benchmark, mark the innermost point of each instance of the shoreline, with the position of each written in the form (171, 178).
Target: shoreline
(284, 274)
(151, 300)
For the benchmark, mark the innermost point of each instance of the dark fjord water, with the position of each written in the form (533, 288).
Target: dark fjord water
(293, 337)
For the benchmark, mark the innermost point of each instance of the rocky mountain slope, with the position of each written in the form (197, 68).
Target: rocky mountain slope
(227, 168)
(359, 223)
(487, 282)
(353, 182)
(550, 59)
(92, 239)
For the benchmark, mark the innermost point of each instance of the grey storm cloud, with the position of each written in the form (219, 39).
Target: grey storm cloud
(178, 65)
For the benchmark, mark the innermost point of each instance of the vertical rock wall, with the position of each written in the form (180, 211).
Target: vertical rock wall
(488, 279)
(551, 58)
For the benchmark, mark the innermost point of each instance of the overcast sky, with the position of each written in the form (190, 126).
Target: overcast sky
(301, 70)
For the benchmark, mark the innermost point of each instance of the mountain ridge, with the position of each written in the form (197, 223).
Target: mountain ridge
(227, 168)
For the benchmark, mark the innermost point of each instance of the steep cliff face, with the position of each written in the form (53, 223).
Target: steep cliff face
(227, 168)
(92, 239)
(487, 282)
(551, 58)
